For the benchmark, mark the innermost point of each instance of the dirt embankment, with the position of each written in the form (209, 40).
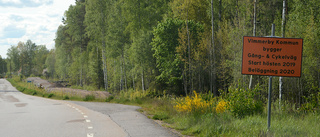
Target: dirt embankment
(59, 88)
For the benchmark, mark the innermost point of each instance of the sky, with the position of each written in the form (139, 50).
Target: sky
(37, 20)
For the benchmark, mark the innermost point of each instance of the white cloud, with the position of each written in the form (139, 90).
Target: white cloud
(37, 23)
(12, 1)
(24, 3)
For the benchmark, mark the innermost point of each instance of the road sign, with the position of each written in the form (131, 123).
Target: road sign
(271, 56)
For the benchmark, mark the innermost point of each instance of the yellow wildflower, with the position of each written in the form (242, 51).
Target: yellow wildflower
(222, 106)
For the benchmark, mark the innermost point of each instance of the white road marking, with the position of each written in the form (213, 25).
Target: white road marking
(90, 135)
(85, 116)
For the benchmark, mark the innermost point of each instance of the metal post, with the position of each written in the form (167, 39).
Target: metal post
(269, 102)
(270, 86)
(273, 30)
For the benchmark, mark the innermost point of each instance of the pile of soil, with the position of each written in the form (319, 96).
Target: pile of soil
(40, 83)
(59, 88)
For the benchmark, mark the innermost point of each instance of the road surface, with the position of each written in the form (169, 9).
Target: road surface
(134, 123)
(29, 116)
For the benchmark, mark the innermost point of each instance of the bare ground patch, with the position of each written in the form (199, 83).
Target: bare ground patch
(58, 88)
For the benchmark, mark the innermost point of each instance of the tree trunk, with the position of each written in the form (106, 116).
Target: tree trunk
(81, 69)
(124, 71)
(189, 57)
(199, 80)
(99, 82)
(283, 35)
(213, 74)
(220, 9)
(142, 78)
(114, 77)
(254, 33)
(121, 75)
(133, 83)
(104, 58)
(319, 79)
(105, 72)
(185, 83)
(210, 56)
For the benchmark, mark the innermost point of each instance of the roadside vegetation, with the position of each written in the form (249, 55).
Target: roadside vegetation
(29, 88)
(239, 112)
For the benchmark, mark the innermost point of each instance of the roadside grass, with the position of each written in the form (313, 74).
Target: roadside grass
(224, 124)
(30, 89)
(287, 121)
(85, 87)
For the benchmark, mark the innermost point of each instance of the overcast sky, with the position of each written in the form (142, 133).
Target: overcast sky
(37, 20)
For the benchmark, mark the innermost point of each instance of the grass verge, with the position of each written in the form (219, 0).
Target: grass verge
(287, 121)
(30, 89)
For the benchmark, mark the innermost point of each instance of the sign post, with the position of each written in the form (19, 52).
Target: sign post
(270, 56)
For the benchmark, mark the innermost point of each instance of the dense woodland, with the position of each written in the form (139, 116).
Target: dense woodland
(175, 46)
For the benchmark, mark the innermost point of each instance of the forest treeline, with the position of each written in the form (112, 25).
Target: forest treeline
(167, 45)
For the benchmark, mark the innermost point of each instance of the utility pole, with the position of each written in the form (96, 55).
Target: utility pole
(270, 86)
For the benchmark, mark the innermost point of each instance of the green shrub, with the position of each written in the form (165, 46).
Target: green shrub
(312, 104)
(138, 101)
(21, 77)
(65, 97)
(50, 95)
(161, 116)
(34, 93)
(29, 91)
(243, 102)
(21, 89)
(89, 98)
(108, 99)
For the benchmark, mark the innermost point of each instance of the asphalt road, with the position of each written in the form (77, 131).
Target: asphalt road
(29, 116)
(128, 118)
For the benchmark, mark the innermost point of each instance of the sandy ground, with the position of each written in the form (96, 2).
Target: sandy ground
(52, 87)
